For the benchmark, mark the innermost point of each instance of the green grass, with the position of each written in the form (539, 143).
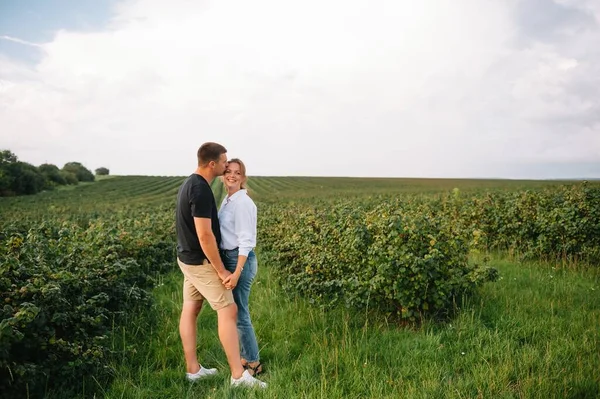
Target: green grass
(104, 177)
(533, 334)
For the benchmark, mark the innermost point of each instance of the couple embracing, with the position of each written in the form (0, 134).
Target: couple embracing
(215, 251)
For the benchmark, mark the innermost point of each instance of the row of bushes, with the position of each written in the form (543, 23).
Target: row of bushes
(559, 225)
(409, 255)
(63, 288)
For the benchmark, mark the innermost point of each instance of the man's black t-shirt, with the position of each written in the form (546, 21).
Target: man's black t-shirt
(195, 199)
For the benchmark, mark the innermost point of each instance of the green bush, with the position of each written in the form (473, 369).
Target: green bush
(69, 177)
(102, 171)
(80, 171)
(28, 180)
(18, 178)
(560, 224)
(63, 287)
(52, 174)
(407, 258)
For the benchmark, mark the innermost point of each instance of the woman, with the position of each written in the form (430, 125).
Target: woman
(237, 217)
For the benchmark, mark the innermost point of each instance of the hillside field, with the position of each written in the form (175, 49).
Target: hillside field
(91, 290)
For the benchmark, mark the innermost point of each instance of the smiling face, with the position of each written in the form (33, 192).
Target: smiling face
(234, 177)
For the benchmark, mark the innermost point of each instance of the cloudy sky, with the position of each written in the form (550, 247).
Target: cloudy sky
(436, 88)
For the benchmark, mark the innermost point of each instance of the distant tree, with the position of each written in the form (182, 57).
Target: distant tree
(80, 171)
(52, 173)
(7, 157)
(69, 177)
(27, 178)
(102, 171)
(6, 178)
(18, 177)
(5, 182)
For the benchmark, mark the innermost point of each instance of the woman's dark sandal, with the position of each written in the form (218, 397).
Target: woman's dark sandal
(256, 370)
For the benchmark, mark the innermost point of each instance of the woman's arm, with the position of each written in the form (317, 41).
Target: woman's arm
(245, 231)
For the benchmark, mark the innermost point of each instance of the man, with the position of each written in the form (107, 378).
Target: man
(198, 239)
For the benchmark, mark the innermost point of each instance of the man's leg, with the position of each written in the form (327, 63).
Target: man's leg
(187, 331)
(228, 334)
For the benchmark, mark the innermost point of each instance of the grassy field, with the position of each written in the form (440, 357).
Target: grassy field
(294, 188)
(533, 334)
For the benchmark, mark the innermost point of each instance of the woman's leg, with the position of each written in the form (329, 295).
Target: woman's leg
(241, 295)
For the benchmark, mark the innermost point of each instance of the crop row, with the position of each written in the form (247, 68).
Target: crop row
(409, 255)
(64, 285)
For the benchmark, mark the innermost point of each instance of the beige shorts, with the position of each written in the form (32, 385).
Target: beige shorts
(202, 282)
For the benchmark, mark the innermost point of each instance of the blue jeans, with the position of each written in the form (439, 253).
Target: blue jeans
(241, 294)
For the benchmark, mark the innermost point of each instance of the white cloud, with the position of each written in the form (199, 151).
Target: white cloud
(308, 88)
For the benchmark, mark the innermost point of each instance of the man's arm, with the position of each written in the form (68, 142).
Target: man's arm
(208, 243)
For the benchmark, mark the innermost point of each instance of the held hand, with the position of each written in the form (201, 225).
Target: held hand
(231, 281)
(224, 275)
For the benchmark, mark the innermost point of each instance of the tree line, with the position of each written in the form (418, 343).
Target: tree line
(21, 178)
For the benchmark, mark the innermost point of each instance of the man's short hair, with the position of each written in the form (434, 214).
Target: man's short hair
(210, 152)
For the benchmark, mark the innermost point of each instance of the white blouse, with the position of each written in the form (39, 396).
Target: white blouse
(237, 217)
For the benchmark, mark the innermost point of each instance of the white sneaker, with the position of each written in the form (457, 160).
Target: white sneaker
(246, 380)
(201, 374)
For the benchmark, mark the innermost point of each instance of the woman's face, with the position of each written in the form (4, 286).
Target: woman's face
(233, 177)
